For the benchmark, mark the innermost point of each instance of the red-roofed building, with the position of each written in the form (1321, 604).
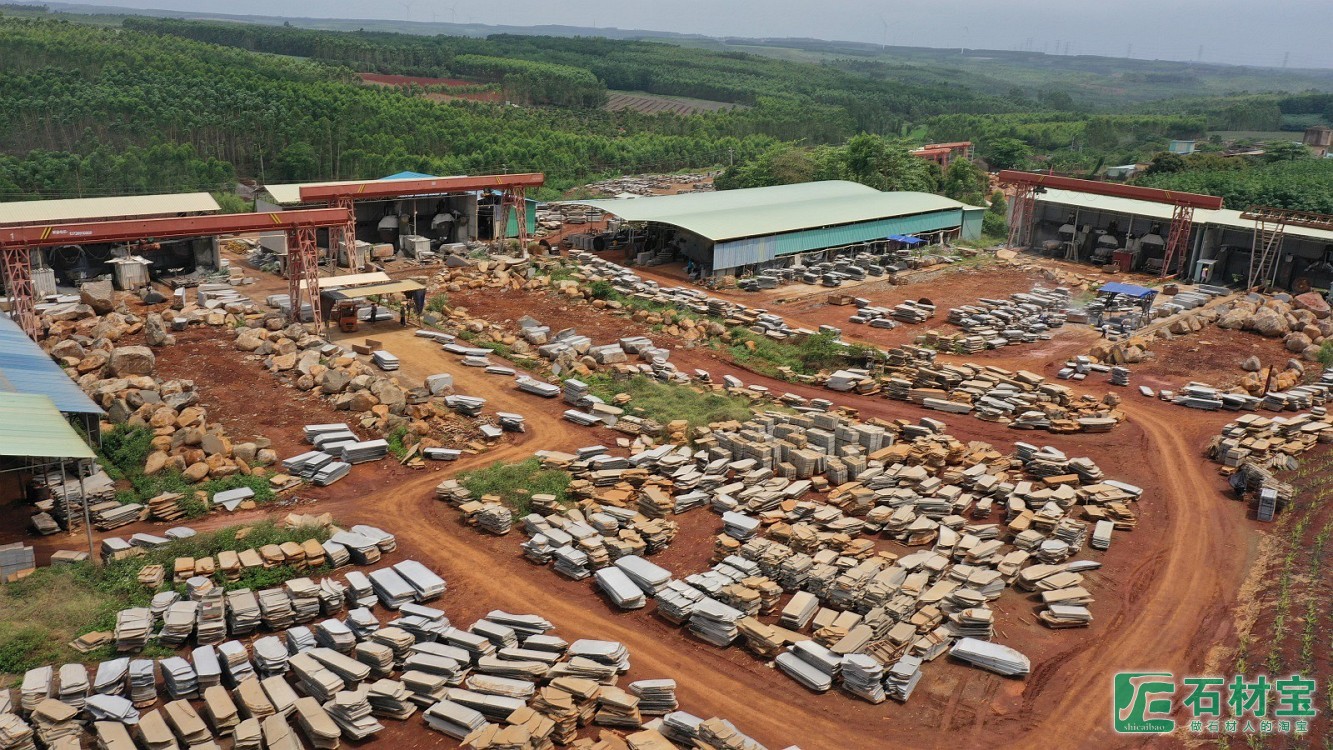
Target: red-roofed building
(943, 154)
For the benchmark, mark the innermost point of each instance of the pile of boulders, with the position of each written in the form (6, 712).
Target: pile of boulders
(123, 381)
(382, 403)
(1302, 322)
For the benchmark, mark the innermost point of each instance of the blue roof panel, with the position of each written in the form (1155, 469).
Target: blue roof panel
(25, 368)
(409, 176)
(1129, 290)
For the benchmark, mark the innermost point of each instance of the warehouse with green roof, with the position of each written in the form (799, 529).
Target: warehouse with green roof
(737, 231)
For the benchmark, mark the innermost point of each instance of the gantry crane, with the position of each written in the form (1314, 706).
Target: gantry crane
(344, 195)
(18, 242)
(1027, 184)
(1270, 225)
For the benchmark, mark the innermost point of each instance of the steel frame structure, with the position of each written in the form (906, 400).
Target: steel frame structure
(513, 186)
(16, 269)
(1177, 239)
(1270, 227)
(1182, 216)
(1023, 206)
(18, 242)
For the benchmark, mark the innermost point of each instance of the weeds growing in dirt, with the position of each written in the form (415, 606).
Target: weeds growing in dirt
(516, 483)
(42, 613)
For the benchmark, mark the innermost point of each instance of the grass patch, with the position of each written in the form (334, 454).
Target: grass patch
(516, 483)
(395, 440)
(665, 402)
(41, 614)
(437, 303)
(635, 303)
(601, 289)
(123, 453)
(820, 351)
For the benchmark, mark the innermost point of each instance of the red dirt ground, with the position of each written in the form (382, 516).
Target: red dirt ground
(392, 80)
(377, 79)
(1164, 598)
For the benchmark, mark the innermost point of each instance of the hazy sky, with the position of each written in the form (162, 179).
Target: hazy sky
(1229, 31)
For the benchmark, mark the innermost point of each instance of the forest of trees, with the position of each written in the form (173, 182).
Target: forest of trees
(84, 95)
(836, 103)
(1288, 178)
(166, 105)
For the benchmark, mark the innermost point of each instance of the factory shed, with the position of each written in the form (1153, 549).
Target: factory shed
(446, 217)
(77, 262)
(756, 227)
(1104, 229)
(32, 427)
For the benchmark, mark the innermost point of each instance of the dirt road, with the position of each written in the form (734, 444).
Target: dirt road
(1163, 596)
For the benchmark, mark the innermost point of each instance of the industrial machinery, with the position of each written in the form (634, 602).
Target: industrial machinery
(344, 314)
(18, 242)
(1026, 185)
(1105, 247)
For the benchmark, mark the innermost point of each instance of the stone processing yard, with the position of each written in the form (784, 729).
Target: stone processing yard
(1165, 597)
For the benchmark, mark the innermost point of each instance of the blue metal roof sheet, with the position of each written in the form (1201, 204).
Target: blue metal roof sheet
(25, 368)
(1129, 290)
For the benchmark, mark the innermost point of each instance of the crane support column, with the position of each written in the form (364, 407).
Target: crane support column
(1177, 240)
(16, 265)
(515, 199)
(348, 232)
(303, 274)
(1021, 215)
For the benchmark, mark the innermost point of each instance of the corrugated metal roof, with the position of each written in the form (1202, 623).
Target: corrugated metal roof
(391, 287)
(289, 194)
(755, 212)
(120, 207)
(1222, 217)
(32, 426)
(25, 368)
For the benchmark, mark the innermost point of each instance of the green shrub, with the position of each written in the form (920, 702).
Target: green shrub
(395, 440)
(1326, 353)
(125, 449)
(437, 303)
(601, 289)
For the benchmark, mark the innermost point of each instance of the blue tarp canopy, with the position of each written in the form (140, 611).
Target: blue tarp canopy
(1129, 290)
(905, 240)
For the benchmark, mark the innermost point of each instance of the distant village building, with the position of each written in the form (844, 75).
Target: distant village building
(1184, 148)
(944, 154)
(1319, 139)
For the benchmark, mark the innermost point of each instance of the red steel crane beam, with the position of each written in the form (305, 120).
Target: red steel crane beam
(105, 232)
(1027, 184)
(379, 189)
(1116, 189)
(16, 244)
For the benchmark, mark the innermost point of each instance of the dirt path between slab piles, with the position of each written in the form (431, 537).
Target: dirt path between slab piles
(1163, 597)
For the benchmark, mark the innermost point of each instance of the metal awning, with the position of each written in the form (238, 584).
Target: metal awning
(352, 279)
(367, 291)
(32, 427)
